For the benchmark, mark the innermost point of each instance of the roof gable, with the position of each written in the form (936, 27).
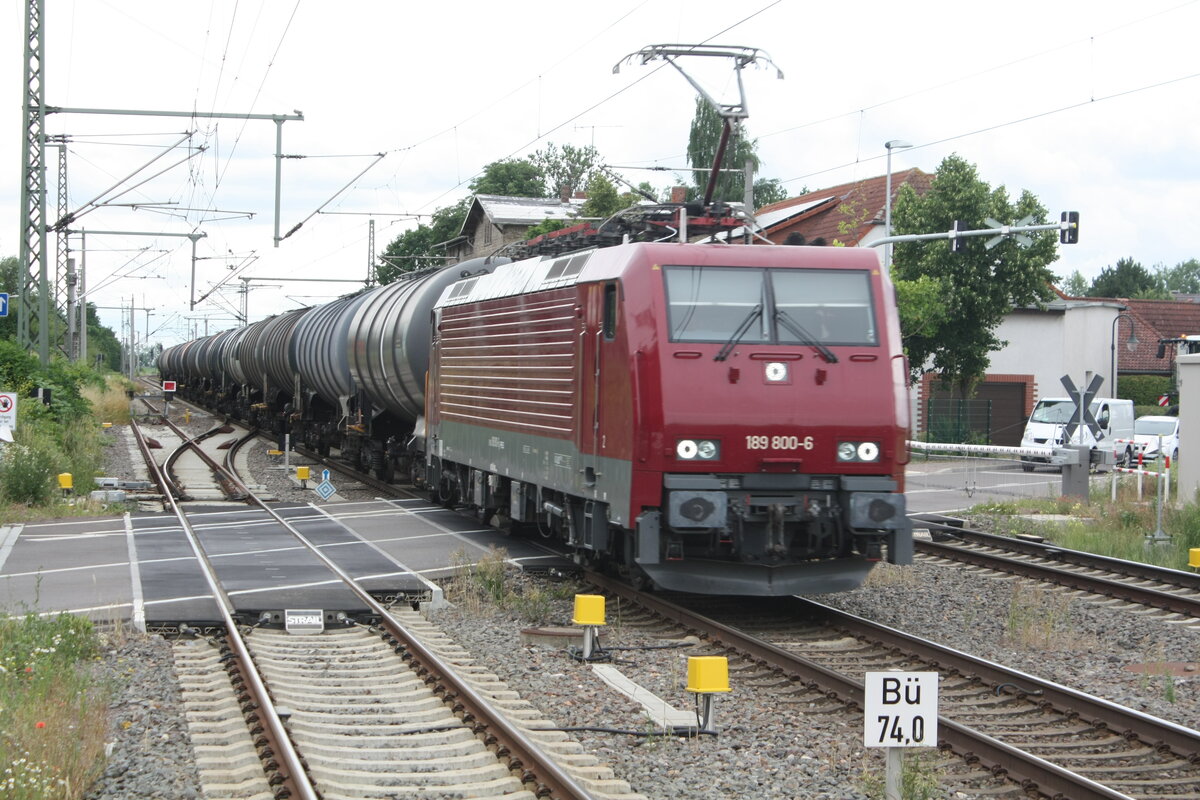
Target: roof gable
(848, 213)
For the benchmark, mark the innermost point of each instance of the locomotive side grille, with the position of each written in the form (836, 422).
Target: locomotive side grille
(511, 362)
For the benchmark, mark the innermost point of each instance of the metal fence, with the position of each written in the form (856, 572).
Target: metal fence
(959, 421)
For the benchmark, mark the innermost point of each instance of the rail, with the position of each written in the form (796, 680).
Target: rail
(1025, 768)
(291, 768)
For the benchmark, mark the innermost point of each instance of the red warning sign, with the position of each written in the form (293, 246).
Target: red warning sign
(168, 386)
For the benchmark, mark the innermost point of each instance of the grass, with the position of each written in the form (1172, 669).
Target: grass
(110, 404)
(920, 777)
(53, 712)
(1103, 527)
(1038, 620)
(492, 582)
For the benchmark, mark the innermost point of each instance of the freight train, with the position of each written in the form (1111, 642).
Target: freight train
(706, 418)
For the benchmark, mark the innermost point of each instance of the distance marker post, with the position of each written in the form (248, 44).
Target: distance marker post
(899, 710)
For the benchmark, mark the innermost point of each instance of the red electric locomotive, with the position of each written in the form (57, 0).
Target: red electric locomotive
(709, 418)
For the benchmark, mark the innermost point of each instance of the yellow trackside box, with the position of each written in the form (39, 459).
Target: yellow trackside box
(302, 473)
(66, 481)
(708, 674)
(589, 609)
(1194, 557)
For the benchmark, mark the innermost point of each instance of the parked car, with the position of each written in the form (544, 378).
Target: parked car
(1147, 430)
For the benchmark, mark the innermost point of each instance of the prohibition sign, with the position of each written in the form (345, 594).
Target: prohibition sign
(6, 403)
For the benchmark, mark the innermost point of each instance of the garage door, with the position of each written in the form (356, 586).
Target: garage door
(994, 415)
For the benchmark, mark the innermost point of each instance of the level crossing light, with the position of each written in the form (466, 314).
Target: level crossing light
(1131, 344)
(893, 144)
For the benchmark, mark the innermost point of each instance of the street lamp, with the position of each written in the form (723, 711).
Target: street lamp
(1131, 344)
(893, 144)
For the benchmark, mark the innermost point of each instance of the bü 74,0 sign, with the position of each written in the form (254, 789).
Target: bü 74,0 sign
(900, 709)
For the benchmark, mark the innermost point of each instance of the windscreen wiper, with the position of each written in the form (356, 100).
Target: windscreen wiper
(798, 330)
(755, 313)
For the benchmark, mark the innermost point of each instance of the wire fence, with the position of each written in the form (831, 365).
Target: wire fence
(980, 477)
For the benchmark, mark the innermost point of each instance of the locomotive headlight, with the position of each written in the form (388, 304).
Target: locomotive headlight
(858, 451)
(697, 450)
(868, 451)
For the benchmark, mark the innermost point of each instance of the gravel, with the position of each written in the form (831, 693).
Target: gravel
(150, 755)
(771, 745)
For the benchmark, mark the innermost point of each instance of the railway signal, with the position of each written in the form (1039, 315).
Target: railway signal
(1070, 233)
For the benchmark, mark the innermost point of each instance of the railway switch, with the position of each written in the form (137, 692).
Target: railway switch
(707, 675)
(589, 612)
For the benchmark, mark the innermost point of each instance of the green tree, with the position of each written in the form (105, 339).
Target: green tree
(511, 177)
(979, 286)
(1075, 285)
(1184, 277)
(703, 141)
(10, 281)
(1127, 278)
(417, 249)
(922, 308)
(768, 191)
(566, 166)
(603, 199)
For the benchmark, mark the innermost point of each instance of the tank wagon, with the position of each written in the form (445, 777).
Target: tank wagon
(704, 418)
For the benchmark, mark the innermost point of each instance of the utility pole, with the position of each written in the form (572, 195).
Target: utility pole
(35, 278)
(370, 252)
(34, 269)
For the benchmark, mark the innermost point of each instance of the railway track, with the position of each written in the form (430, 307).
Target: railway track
(360, 701)
(1172, 592)
(1044, 738)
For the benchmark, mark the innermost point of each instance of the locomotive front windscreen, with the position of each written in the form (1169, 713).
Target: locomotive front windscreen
(779, 306)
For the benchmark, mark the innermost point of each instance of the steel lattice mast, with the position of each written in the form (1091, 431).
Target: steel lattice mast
(34, 267)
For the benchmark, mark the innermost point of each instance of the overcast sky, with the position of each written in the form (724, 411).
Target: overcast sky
(1092, 106)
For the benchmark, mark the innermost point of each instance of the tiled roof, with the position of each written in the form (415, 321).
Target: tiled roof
(859, 205)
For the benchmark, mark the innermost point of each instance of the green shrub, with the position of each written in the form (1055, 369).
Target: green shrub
(1143, 390)
(27, 468)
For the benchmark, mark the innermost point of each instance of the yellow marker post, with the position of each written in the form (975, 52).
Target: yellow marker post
(66, 482)
(707, 675)
(1194, 558)
(589, 612)
(302, 474)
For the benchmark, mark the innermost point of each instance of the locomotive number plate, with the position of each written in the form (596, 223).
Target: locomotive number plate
(763, 442)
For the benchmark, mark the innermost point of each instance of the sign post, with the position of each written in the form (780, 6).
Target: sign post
(8, 411)
(1078, 458)
(899, 711)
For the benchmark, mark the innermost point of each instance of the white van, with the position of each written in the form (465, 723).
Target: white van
(1052, 414)
(1149, 431)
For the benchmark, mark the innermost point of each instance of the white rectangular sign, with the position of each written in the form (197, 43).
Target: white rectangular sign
(900, 709)
(303, 620)
(8, 410)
